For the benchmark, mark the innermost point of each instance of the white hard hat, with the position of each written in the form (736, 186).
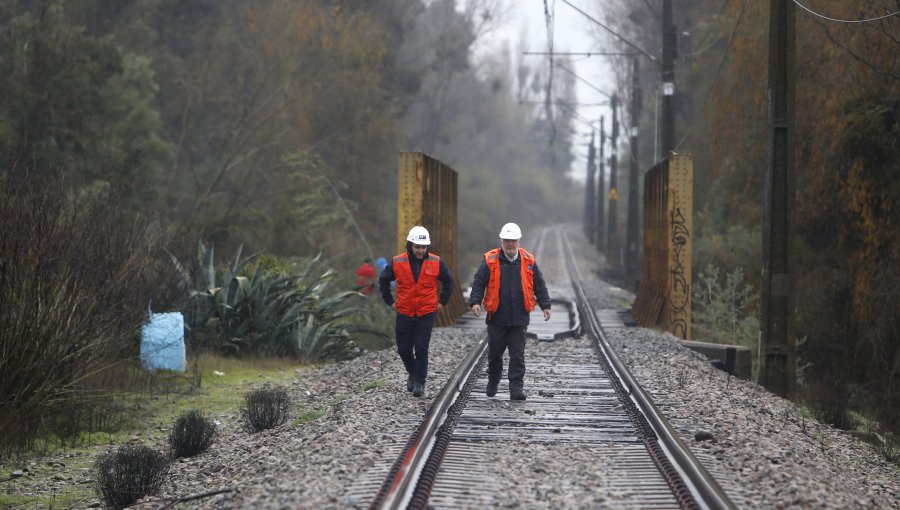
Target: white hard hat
(419, 235)
(510, 231)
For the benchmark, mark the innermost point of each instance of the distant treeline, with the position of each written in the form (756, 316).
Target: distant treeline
(132, 130)
(241, 122)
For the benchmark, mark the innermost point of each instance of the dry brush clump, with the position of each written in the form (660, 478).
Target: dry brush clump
(128, 474)
(192, 434)
(265, 408)
(73, 293)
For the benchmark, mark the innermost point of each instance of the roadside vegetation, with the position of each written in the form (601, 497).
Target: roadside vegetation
(235, 162)
(845, 242)
(148, 416)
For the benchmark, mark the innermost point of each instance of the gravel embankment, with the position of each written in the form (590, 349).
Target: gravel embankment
(763, 451)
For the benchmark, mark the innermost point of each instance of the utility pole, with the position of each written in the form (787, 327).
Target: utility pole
(612, 239)
(632, 236)
(601, 193)
(777, 371)
(670, 51)
(589, 201)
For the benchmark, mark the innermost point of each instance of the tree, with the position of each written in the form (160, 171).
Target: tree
(75, 107)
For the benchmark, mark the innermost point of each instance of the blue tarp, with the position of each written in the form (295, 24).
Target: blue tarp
(162, 342)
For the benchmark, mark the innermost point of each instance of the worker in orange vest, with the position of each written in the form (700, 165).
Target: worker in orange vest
(509, 285)
(417, 272)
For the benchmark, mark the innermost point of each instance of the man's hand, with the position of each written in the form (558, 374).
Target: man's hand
(476, 310)
(394, 306)
(439, 307)
(546, 315)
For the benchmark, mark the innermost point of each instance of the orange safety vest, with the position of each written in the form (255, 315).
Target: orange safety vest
(417, 298)
(492, 294)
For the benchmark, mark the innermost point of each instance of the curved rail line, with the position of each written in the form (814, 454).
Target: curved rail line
(409, 482)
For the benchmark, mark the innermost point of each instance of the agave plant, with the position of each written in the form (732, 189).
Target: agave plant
(205, 300)
(324, 331)
(276, 312)
(290, 315)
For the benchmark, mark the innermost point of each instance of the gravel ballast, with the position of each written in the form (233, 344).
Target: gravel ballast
(764, 452)
(761, 449)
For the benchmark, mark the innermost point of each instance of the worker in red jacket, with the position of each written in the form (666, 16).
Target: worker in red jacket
(417, 272)
(366, 276)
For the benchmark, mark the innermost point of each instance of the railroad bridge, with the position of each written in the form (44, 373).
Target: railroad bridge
(580, 392)
(427, 195)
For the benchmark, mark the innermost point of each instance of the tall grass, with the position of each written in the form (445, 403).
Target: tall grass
(73, 292)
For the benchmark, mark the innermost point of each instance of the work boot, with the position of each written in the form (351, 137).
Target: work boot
(491, 388)
(418, 389)
(410, 383)
(516, 395)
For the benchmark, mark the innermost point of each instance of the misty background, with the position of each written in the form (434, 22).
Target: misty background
(275, 125)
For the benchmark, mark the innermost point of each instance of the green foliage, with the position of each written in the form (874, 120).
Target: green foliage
(204, 300)
(70, 310)
(331, 222)
(844, 217)
(377, 322)
(278, 310)
(308, 417)
(725, 243)
(373, 385)
(75, 105)
(725, 311)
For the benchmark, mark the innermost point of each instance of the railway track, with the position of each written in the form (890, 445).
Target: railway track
(581, 402)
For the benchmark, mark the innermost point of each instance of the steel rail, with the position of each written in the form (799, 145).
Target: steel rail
(705, 490)
(399, 486)
(572, 332)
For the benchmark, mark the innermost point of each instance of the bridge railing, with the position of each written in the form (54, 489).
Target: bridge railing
(427, 196)
(663, 299)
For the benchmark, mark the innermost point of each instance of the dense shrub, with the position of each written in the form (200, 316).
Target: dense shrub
(128, 474)
(262, 305)
(74, 289)
(725, 310)
(192, 434)
(265, 408)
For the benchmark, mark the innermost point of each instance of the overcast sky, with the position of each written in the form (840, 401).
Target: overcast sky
(572, 33)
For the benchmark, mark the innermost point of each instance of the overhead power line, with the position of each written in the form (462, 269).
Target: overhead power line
(573, 73)
(566, 103)
(611, 31)
(719, 70)
(814, 13)
(585, 53)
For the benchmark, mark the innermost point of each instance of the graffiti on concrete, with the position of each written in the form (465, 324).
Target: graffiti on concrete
(680, 291)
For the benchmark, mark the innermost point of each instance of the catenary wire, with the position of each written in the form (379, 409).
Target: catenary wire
(718, 71)
(867, 20)
(611, 31)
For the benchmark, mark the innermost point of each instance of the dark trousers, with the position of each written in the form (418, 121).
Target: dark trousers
(499, 338)
(413, 338)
